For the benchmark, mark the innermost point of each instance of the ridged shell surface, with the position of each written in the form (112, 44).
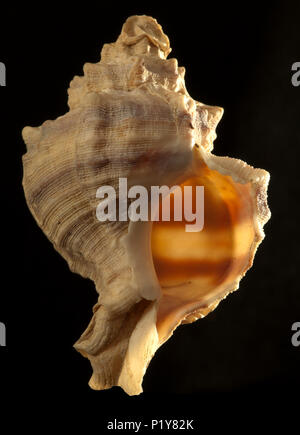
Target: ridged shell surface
(131, 117)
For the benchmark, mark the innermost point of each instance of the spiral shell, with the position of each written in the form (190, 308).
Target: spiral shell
(131, 117)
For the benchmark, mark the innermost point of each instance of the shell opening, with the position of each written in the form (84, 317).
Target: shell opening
(196, 269)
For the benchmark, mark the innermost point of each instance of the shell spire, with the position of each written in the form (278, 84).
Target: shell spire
(131, 118)
(144, 33)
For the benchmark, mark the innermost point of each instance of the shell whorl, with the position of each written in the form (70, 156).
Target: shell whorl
(131, 117)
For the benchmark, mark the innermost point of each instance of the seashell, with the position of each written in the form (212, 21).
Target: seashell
(131, 117)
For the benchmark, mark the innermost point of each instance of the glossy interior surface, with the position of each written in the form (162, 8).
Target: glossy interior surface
(195, 268)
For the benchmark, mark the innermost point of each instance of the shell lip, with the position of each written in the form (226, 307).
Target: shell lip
(240, 174)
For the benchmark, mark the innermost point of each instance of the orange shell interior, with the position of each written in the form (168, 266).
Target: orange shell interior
(196, 269)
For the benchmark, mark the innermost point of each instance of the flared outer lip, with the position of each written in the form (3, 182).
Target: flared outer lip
(140, 232)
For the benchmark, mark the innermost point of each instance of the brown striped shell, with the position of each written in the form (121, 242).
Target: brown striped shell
(131, 116)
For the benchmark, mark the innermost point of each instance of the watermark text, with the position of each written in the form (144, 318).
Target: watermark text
(296, 76)
(188, 204)
(2, 74)
(296, 336)
(2, 334)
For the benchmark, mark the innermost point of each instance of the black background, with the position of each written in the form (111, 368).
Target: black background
(237, 361)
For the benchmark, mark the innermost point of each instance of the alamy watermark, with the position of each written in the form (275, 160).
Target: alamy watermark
(2, 334)
(145, 209)
(2, 74)
(296, 76)
(296, 336)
